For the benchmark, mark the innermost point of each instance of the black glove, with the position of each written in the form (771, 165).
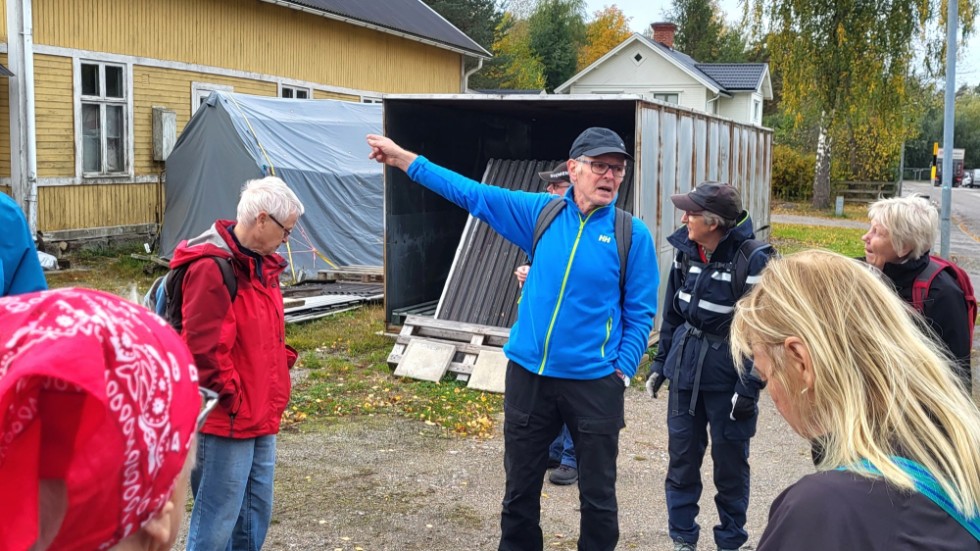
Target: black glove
(743, 407)
(655, 380)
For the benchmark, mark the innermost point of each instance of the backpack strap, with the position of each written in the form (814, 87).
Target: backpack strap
(746, 253)
(922, 284)
(545, 218)
(175, 289)
(623, 229)
(927, 485)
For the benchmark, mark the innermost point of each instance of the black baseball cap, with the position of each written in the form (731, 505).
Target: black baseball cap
(596, 141)
(715, 197)
(557, 175)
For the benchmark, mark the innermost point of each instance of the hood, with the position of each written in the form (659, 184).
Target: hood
(215, 241)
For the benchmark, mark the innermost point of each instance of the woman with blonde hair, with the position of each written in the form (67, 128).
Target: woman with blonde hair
(847, 364)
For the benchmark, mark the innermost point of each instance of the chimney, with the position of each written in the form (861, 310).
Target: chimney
(664, 33)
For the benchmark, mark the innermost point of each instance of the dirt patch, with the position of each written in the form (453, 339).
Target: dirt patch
(386, 483)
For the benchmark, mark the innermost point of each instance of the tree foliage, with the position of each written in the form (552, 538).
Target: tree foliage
(514, 65)
(478, 19)
(703, 33)
(556, 30)
(608, 29)
(845, 66)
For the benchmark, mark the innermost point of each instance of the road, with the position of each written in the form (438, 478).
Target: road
(964, 243)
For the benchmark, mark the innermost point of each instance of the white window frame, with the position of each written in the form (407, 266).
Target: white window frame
(633, 55)
(201, 90)
(295, 88)
(127, 104)
(371, 99)
(757, 111)
(677, 95)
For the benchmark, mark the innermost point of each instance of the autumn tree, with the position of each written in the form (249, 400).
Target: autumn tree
(845, 65)
(608, 29)
(514, 65)
(556, 31)
(703, 33)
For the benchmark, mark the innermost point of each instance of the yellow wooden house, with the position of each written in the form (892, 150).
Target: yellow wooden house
(76, 144)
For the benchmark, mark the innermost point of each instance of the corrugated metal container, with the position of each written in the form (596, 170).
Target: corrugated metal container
(675, 148)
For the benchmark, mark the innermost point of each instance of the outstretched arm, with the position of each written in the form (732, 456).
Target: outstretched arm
(385, 151)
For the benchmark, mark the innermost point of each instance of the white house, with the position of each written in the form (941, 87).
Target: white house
(653, 69)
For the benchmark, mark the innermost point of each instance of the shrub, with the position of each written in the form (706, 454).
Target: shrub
(792, 174)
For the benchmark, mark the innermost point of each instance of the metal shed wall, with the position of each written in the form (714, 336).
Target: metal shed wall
(675, 148)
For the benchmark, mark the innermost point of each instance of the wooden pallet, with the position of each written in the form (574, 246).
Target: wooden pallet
(459, 346)
(361, 274)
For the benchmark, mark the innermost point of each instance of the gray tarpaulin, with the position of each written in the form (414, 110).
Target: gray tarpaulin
(316, 146)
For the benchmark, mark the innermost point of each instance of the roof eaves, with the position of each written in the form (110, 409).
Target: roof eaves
(478, 52)
(565, 85)
(691, 70)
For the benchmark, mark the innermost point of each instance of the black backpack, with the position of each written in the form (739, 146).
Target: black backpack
(623, 229)
(747, 251)
(166, 295)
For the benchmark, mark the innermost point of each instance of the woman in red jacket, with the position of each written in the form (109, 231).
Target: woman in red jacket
(239, 346)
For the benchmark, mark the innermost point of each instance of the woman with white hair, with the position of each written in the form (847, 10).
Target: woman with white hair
(902, 231)
(847, 364)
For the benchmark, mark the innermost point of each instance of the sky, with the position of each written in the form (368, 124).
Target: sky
(644, 12)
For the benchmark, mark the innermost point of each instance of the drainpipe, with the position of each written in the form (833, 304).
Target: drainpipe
(471, 72)
(712, 100)
(23, 130)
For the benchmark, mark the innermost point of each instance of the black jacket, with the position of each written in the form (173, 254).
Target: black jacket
(842, 510)
(944, 308)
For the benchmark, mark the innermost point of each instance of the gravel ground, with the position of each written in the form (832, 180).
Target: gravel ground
(392, 484)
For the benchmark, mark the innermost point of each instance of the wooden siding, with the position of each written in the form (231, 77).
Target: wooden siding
(3, 27)
(172, 89)
(322, 94)
(54, 115)
(4, 121)
(93, 206)
(249, 35)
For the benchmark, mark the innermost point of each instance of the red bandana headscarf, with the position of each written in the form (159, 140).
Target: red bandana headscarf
(96, 392)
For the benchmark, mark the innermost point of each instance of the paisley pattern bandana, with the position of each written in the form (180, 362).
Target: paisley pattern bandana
(100, 394)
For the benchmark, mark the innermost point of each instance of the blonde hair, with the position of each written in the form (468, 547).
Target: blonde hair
(880, 386)
(912, 223)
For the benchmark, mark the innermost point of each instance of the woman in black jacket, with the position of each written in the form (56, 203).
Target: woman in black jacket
(846, 363)
(902, 231)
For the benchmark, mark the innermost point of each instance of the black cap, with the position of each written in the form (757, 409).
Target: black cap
(715, 197)
(597, 141)
(557, 175)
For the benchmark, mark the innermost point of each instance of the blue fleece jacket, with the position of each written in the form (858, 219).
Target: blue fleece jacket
(570, 322)
(20, 270)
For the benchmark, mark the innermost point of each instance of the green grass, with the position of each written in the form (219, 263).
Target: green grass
(852, 211)
(108, 269)
(790, 238)
(346, 356)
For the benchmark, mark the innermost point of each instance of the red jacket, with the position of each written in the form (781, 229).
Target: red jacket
(239, 348)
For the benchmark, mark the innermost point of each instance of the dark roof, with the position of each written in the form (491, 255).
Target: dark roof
(509, 92)
(735, 76)
(411, 17)
(5, 72)
(687, 61)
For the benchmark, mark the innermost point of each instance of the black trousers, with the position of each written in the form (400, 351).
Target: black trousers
(535, 407)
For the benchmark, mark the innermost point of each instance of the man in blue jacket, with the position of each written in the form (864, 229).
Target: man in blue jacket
(577, 340)
(20, 270)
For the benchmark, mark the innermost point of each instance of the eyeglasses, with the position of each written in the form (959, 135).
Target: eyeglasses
(285, 231)
(209, 399)
(600, 168)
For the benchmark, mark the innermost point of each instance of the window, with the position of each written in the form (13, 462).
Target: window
(637, 57)
(201, 90)
(104, 120)
(294, 92)
(667, 98)
(757, 111)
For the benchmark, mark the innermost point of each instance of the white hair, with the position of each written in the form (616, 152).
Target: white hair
(270, 195)
(723, 224)
(912, 223)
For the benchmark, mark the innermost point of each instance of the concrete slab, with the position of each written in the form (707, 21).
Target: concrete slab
(425, 360)
(489, 372)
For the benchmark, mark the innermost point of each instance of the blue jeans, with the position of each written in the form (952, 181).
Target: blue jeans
(562, 449)
(232, 485)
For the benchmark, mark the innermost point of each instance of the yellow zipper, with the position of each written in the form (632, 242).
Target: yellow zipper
(561, 292)
(602, 350)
